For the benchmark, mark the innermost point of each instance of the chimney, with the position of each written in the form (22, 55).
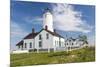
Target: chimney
(55, 30)
(46, 27)
(33, 30)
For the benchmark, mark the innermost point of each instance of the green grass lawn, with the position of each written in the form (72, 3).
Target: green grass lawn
(82, 55)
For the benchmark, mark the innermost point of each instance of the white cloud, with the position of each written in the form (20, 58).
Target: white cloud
(67, 19)
(33, 20)
(17, 33)
(17, 30)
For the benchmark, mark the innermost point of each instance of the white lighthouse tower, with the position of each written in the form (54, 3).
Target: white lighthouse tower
(48, 20)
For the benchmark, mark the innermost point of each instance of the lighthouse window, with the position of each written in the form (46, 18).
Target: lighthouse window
(47, 36)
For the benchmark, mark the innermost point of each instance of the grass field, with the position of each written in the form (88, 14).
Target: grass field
(86, 54)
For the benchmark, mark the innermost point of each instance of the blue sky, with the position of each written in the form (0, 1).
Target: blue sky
(70, 20)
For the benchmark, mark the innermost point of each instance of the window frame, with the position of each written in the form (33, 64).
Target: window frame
(40, 44)
(72, 43)
(47, 36)
(30, 44)
(18, 46)
(25, 45)
(40, 37)
(59, 43)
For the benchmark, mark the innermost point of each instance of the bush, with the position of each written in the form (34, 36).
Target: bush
(33, 50)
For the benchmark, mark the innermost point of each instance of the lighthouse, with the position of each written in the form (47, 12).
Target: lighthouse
(47, 39)
(48, 20)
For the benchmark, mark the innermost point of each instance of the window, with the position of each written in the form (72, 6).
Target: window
(30, 45)
(59, 42)
(40, 44)
(40, 37)
(25, 45)
(18, 46)
(22, 46)
(55, 42)
(72, 44)
(47, 36)
(69, 40)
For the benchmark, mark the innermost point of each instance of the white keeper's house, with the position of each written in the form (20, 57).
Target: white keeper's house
(47, 39)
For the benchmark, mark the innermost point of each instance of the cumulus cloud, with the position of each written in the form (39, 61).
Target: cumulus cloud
(17, 30)
(33, 20)
(67, 19)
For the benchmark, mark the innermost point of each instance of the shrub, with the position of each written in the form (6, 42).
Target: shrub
(33, 50)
